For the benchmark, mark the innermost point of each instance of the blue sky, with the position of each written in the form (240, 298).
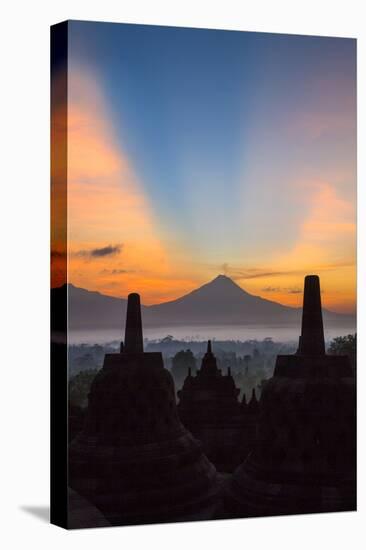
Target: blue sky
(231, 134)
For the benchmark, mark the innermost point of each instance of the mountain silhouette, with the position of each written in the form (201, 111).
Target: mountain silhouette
(219, 302)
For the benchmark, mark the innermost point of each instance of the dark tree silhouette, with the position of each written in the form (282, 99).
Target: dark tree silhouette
(345, 345)
(181, 363)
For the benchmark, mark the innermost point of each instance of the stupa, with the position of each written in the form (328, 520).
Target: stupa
(304, 459)
(134, 461)
(209, 407)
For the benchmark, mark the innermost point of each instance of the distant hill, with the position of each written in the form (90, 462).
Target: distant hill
(219, 302)
(91, 310)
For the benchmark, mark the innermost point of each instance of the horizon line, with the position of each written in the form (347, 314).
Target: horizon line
(348, 314)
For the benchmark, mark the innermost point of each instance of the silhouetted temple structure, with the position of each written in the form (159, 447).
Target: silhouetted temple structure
(134, 461)
(248, 434)
(304, 459)
(253, 406)
(209, 407)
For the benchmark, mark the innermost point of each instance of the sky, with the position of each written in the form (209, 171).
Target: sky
(197, 152)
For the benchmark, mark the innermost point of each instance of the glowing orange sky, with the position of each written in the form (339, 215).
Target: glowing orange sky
(118, 243)
(107, 206)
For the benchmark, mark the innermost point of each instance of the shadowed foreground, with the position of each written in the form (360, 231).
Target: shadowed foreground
(135, 461)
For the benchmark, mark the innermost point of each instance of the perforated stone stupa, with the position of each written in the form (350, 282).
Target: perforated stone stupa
(209, 407)
(134, 460)
(305, 455)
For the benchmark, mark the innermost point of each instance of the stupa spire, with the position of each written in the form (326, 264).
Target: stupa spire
(133, 333)
(311, 341)
(209, 348)
(208, 365)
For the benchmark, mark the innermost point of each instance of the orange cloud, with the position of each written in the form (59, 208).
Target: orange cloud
(325, 245)
(327, 232)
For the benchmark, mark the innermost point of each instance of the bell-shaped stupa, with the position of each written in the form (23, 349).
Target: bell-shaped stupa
(304, 459)
(134, 461)
(209, 407)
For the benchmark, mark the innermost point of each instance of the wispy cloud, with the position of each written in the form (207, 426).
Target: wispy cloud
(116, 271)
(110, 250)
(257, 273)
(282, 289)
(247, 273)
